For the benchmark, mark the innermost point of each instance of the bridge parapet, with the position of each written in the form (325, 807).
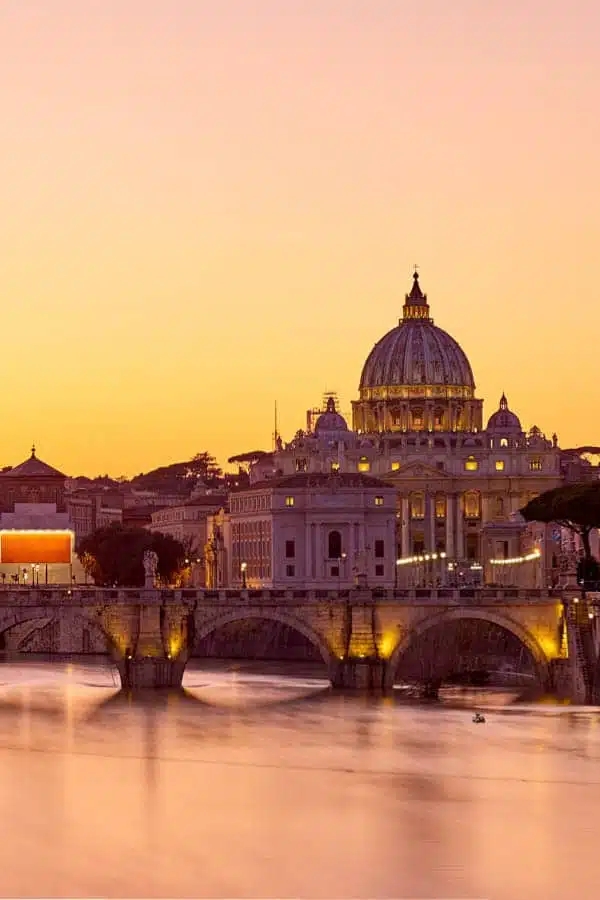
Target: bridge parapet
(85, 596)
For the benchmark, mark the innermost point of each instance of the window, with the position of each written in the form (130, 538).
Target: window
(417, 506)
(438, 419)
(440, 506)
(499, 465)
(335, 467)
(417, 419)
(472, 505)
(378, 501)
(504, 442)
(396, 419)
(290, 549)
(334, 545)
(471, 464)
(395, 466)
(379, 549)
(301, 465)
(440, 466)
(364, 465)
(335, 571)
(290, 571)
(535, 464)
(289, 501)
(379, 570)
(472, 547)
(499, 506)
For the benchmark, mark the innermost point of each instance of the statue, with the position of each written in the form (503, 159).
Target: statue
(150, 567)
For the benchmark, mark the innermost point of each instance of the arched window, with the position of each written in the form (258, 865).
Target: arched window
(438, 419)
(472, 505)
(504, 442)
(334, 545)
(440, 506)
(417, 505)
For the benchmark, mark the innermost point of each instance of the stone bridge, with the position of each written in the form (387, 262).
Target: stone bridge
(363, 635)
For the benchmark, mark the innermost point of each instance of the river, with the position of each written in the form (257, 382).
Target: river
(258, 782)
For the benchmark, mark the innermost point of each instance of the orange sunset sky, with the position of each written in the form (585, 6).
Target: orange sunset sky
(210, 205)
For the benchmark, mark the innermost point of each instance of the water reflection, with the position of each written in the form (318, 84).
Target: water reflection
(257, 783)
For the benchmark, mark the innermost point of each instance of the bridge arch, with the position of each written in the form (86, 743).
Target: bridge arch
(205, 627)
(52, 613)
(421, 627)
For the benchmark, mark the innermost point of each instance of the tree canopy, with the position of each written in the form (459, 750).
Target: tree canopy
(114, 555)
(574, 506)
(180, 478)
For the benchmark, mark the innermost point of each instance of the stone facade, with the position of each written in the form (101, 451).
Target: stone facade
(313, 530)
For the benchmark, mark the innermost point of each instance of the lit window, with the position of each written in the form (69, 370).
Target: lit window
(378, 501)
(417, 419)
(504, 442)
(395, 466)
(471, 464)
(499, 465)
(335, 467)
(364, 465)
(536, 464)
(472, 505)
(289, 501)
(440, 506)
(417, 506)
(301, 465)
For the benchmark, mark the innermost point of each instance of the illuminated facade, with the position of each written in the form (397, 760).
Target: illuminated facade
(419, 426)
(36, 534)
(313, 530)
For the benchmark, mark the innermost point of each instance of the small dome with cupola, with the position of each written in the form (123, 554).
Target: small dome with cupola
(504, 420)
(330, 421)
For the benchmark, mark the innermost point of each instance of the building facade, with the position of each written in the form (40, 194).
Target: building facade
(313, 529)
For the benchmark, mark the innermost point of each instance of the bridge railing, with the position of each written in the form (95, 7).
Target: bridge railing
(441, 596)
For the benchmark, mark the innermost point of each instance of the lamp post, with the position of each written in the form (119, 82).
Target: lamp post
(243, 568)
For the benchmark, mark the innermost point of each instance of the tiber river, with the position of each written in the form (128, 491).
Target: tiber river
(258, 782)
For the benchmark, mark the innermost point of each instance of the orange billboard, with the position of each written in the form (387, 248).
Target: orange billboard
(35, 547)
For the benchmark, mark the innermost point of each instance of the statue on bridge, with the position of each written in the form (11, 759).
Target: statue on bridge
(150, 568)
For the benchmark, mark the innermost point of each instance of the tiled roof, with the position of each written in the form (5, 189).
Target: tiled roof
(33, 468)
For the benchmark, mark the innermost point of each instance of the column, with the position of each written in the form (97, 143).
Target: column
(459, 549)
(429, 523)
(405, 526)
(320, 552)
(450, 523)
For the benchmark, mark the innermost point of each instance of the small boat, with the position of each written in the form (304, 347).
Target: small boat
(478, 718)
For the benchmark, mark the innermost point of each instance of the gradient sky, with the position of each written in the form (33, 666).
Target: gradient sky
(208, 205)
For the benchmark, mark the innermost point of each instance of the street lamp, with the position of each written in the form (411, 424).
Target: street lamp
(243, 568)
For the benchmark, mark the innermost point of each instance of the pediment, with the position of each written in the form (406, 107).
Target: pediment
(416, 470)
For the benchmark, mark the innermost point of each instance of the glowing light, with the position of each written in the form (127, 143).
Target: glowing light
(387, 644)
(517, 560)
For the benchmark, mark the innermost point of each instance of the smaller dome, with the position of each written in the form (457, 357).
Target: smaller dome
(330, 420)
(504, 420)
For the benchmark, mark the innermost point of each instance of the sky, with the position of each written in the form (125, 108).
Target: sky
(212, 205)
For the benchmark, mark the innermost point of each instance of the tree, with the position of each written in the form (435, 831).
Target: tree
(114, 555)
(181, 478)
(574, 506)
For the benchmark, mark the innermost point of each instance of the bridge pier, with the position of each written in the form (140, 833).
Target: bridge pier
(141, 673)
(360, 674)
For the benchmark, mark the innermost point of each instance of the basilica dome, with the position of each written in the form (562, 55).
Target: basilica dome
(416, 353)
